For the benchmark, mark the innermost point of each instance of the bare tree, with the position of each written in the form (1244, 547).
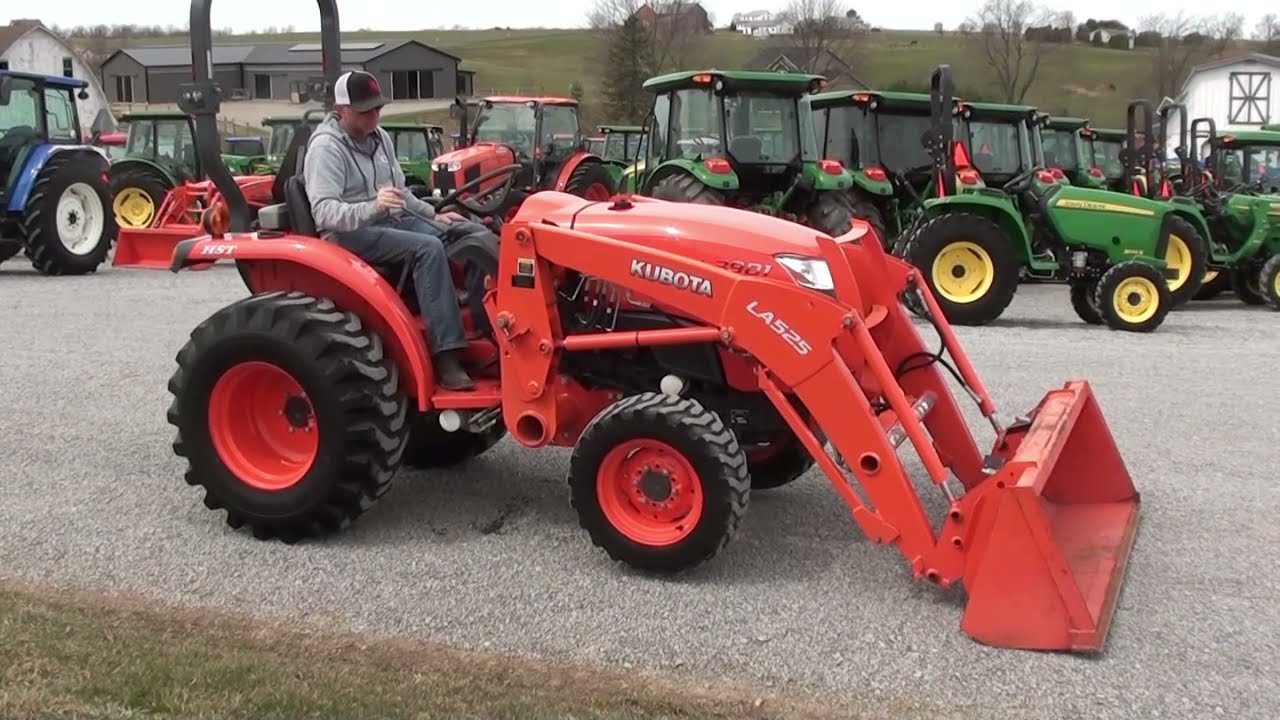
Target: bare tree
(1186, 41)
(675, 40)
(822, 33)
(1268, 31)
(1013, 58)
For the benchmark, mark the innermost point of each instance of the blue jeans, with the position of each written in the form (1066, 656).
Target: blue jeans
(409, 239)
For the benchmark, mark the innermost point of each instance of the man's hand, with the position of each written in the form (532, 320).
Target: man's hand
(448, 217)
(389, 199)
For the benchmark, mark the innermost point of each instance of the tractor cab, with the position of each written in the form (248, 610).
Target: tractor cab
(416, 145)
(1245, 161)
(1065, 144)
(742, 138)
(543, 135)
(1103, 147)
(165, 140)
(1003, 142)
(621, 143)
(281, 129)
(245, 154)
(35, 110)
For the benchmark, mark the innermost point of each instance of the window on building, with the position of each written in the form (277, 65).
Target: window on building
(413, 84)
(124, 88)
(68, 68)
(4, 64)
(1250, 102)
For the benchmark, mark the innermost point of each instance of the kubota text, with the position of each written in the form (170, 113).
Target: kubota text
(675, 278)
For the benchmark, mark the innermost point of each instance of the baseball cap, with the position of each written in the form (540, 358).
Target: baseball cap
(360, 90)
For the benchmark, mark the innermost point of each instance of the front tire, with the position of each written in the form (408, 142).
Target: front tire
(289, 414)
(1269, 281)
(1084, 301)
(1245, 283)
(66, 224)
(659, 482)
(137, 194)
(1133, 296)
(969, 264)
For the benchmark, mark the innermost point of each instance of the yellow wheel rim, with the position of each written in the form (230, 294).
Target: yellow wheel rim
(1136, 300)
(1210, 275)
(1275, 284)
(1178, 256)
(963, 272)
(133, 208)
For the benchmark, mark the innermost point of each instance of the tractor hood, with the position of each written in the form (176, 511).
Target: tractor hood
(741, 240)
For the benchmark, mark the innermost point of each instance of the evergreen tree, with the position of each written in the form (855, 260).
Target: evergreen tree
(630, 64)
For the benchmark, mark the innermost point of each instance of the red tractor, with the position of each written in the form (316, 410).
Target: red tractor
(660, 341)
(541, 135)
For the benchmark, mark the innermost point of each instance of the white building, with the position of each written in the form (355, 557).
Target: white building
(761, 23)
(1237, 92)
(28, 46)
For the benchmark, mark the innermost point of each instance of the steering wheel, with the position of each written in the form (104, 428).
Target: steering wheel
(1020, 182)
(490, 208)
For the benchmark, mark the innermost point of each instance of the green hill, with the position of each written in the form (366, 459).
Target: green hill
(1074, 79)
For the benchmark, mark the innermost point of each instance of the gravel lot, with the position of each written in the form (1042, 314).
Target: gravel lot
(92, 495)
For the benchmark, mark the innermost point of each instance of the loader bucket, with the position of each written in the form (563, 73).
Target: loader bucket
(1051, 531)
(150, 248)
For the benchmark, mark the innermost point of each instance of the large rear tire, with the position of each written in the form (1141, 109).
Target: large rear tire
(659, 482)
(66, 224)
(969, 264)
(831, 213)
(864, 208)
(683, 187)
(1188, 254)
(592, 181)
(289, 414)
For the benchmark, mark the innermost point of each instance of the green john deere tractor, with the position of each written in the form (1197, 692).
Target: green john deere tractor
(740, 138)
(1235, 189)
(999, 212)
(1103, 147)
(877, 136)
(160, 153)
(416, 146)
(618, 146)
(1066, 144)
(244, 155)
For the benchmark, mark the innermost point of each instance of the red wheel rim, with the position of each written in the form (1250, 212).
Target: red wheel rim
(263, 426)
(649, 492)
(597, 191)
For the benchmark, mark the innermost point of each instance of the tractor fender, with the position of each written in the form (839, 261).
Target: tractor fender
(325, 270)
(570, 165)
(999, 210)
(824, 181)
(129, 164)
(1189, 212)
(883, 188)
(716, 181)
(35, 163)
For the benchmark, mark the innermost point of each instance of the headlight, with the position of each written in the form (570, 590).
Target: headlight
(809, 272)
(452, 167)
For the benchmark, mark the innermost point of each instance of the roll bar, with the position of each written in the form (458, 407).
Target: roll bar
(1143, 158)
(942, 91)
(200, 98)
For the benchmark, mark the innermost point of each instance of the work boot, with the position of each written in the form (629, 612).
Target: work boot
(449, 372)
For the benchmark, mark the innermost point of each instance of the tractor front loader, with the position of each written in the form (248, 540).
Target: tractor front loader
(744, 139)
(624, 329)
(972, 240)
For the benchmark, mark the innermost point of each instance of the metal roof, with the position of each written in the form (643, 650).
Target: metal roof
(267, 54)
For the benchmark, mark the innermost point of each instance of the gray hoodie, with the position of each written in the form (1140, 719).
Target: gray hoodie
(343, 176)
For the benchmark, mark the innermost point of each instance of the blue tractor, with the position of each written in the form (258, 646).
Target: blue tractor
(54, 196)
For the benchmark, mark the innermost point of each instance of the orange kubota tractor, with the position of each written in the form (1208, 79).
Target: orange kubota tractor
(658, 340)
(541, 136)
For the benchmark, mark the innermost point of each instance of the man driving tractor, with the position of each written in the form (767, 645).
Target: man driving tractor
(359, 199)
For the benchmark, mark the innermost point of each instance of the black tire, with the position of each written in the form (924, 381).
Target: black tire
(76, 177)
(590, 174)
(778, 466)
(1084, 301)
(935, 235)
(431, 446)
(352, 390)
(684, 187)
(830, 213)
(1150, 279)
(143, 178)
(865, 209)
(701, 440)
(1244, 283)
(1198, 250)
(1215, 286)
(1269, 281)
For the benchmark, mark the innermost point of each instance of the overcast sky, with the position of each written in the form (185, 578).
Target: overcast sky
(402, 15)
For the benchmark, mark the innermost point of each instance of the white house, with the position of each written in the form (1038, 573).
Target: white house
(28, 46)
(1103, 36)
(760, 23)
(1237, 92)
